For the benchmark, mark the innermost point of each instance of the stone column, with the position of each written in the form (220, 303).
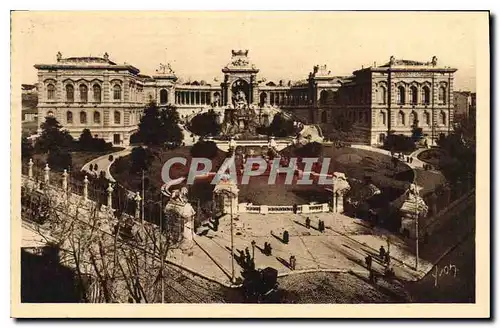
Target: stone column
(137, 205)
(46, 176)
(85, 188)
(110, 195)
(65, 180)
(30, 169)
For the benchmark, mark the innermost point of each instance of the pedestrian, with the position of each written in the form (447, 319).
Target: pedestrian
(308, 223)
(387, 258)
(382, 252)
(368, 261)
(292, 262)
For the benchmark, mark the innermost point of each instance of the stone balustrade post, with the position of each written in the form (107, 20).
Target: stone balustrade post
(137, 205)
(65, 180)
(46, 176)
(110, 195)
(85, 188)
(30, 169)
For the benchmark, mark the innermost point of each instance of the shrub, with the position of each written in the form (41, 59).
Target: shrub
(59, 159)
(399, 143)
(110, 158)
(204, 149)
(141, 159)
(312, 149)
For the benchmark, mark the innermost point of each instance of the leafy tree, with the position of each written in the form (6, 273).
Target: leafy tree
(158, 127)
(204, 149)
(141, 159)
(59, 159)
(88, 143)
(460, 148)
(399, 143)
(53, 137)
(26, 148)
(205, 124)
(86, 140)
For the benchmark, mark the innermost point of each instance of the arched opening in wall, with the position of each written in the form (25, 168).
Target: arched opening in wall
(401, 118)
(381, 138)
(51, 92)
(401, 95)
(382, 119)
(323, 97)
(163, 96)
(427, 118)
(70, 93)
(241, 91)
(324, 117)
(442, 95)
(69, 117)
(382, 95)
(426, 95)
(97, 93)
(442, 118)
(117, 92)
(84, 93)
(97, 117)
(413, 95)
(117, 117)
(217, 99)
(263, 98)
(413, 119)
(83, 118)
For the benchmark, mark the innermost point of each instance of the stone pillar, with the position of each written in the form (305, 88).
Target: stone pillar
(65, 180)
(30, 169)
(340, 202)
(85, 188)
(110, 195)
(46, 176)
(137, 205)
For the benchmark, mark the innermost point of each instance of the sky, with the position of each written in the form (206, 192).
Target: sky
(283, 45)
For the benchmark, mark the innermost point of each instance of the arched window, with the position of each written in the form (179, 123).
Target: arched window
(413, 119)
(263, 98)
(84, 93)
(117, 117)
(97, 117)
(83, 118)
(414, 95)
(70, 93)
(324, 117)
(401, 118)
(97, 93)
(163, 96)
(442, 95)
(401, 95)
(51, 92)
(69, 117)
(427, 118)
(381, 118)
(117, 92)
(323, 97)
(442, 118)
(426, 95)
(382, 95)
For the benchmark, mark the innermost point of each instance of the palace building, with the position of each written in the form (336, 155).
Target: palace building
(109, 98)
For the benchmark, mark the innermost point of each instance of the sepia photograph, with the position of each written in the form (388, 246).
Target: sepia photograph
(285, 162)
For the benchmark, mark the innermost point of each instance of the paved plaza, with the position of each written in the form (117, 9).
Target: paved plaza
(342, 247)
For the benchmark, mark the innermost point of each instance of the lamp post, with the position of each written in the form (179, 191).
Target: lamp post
(416, 221)
(253, 249)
